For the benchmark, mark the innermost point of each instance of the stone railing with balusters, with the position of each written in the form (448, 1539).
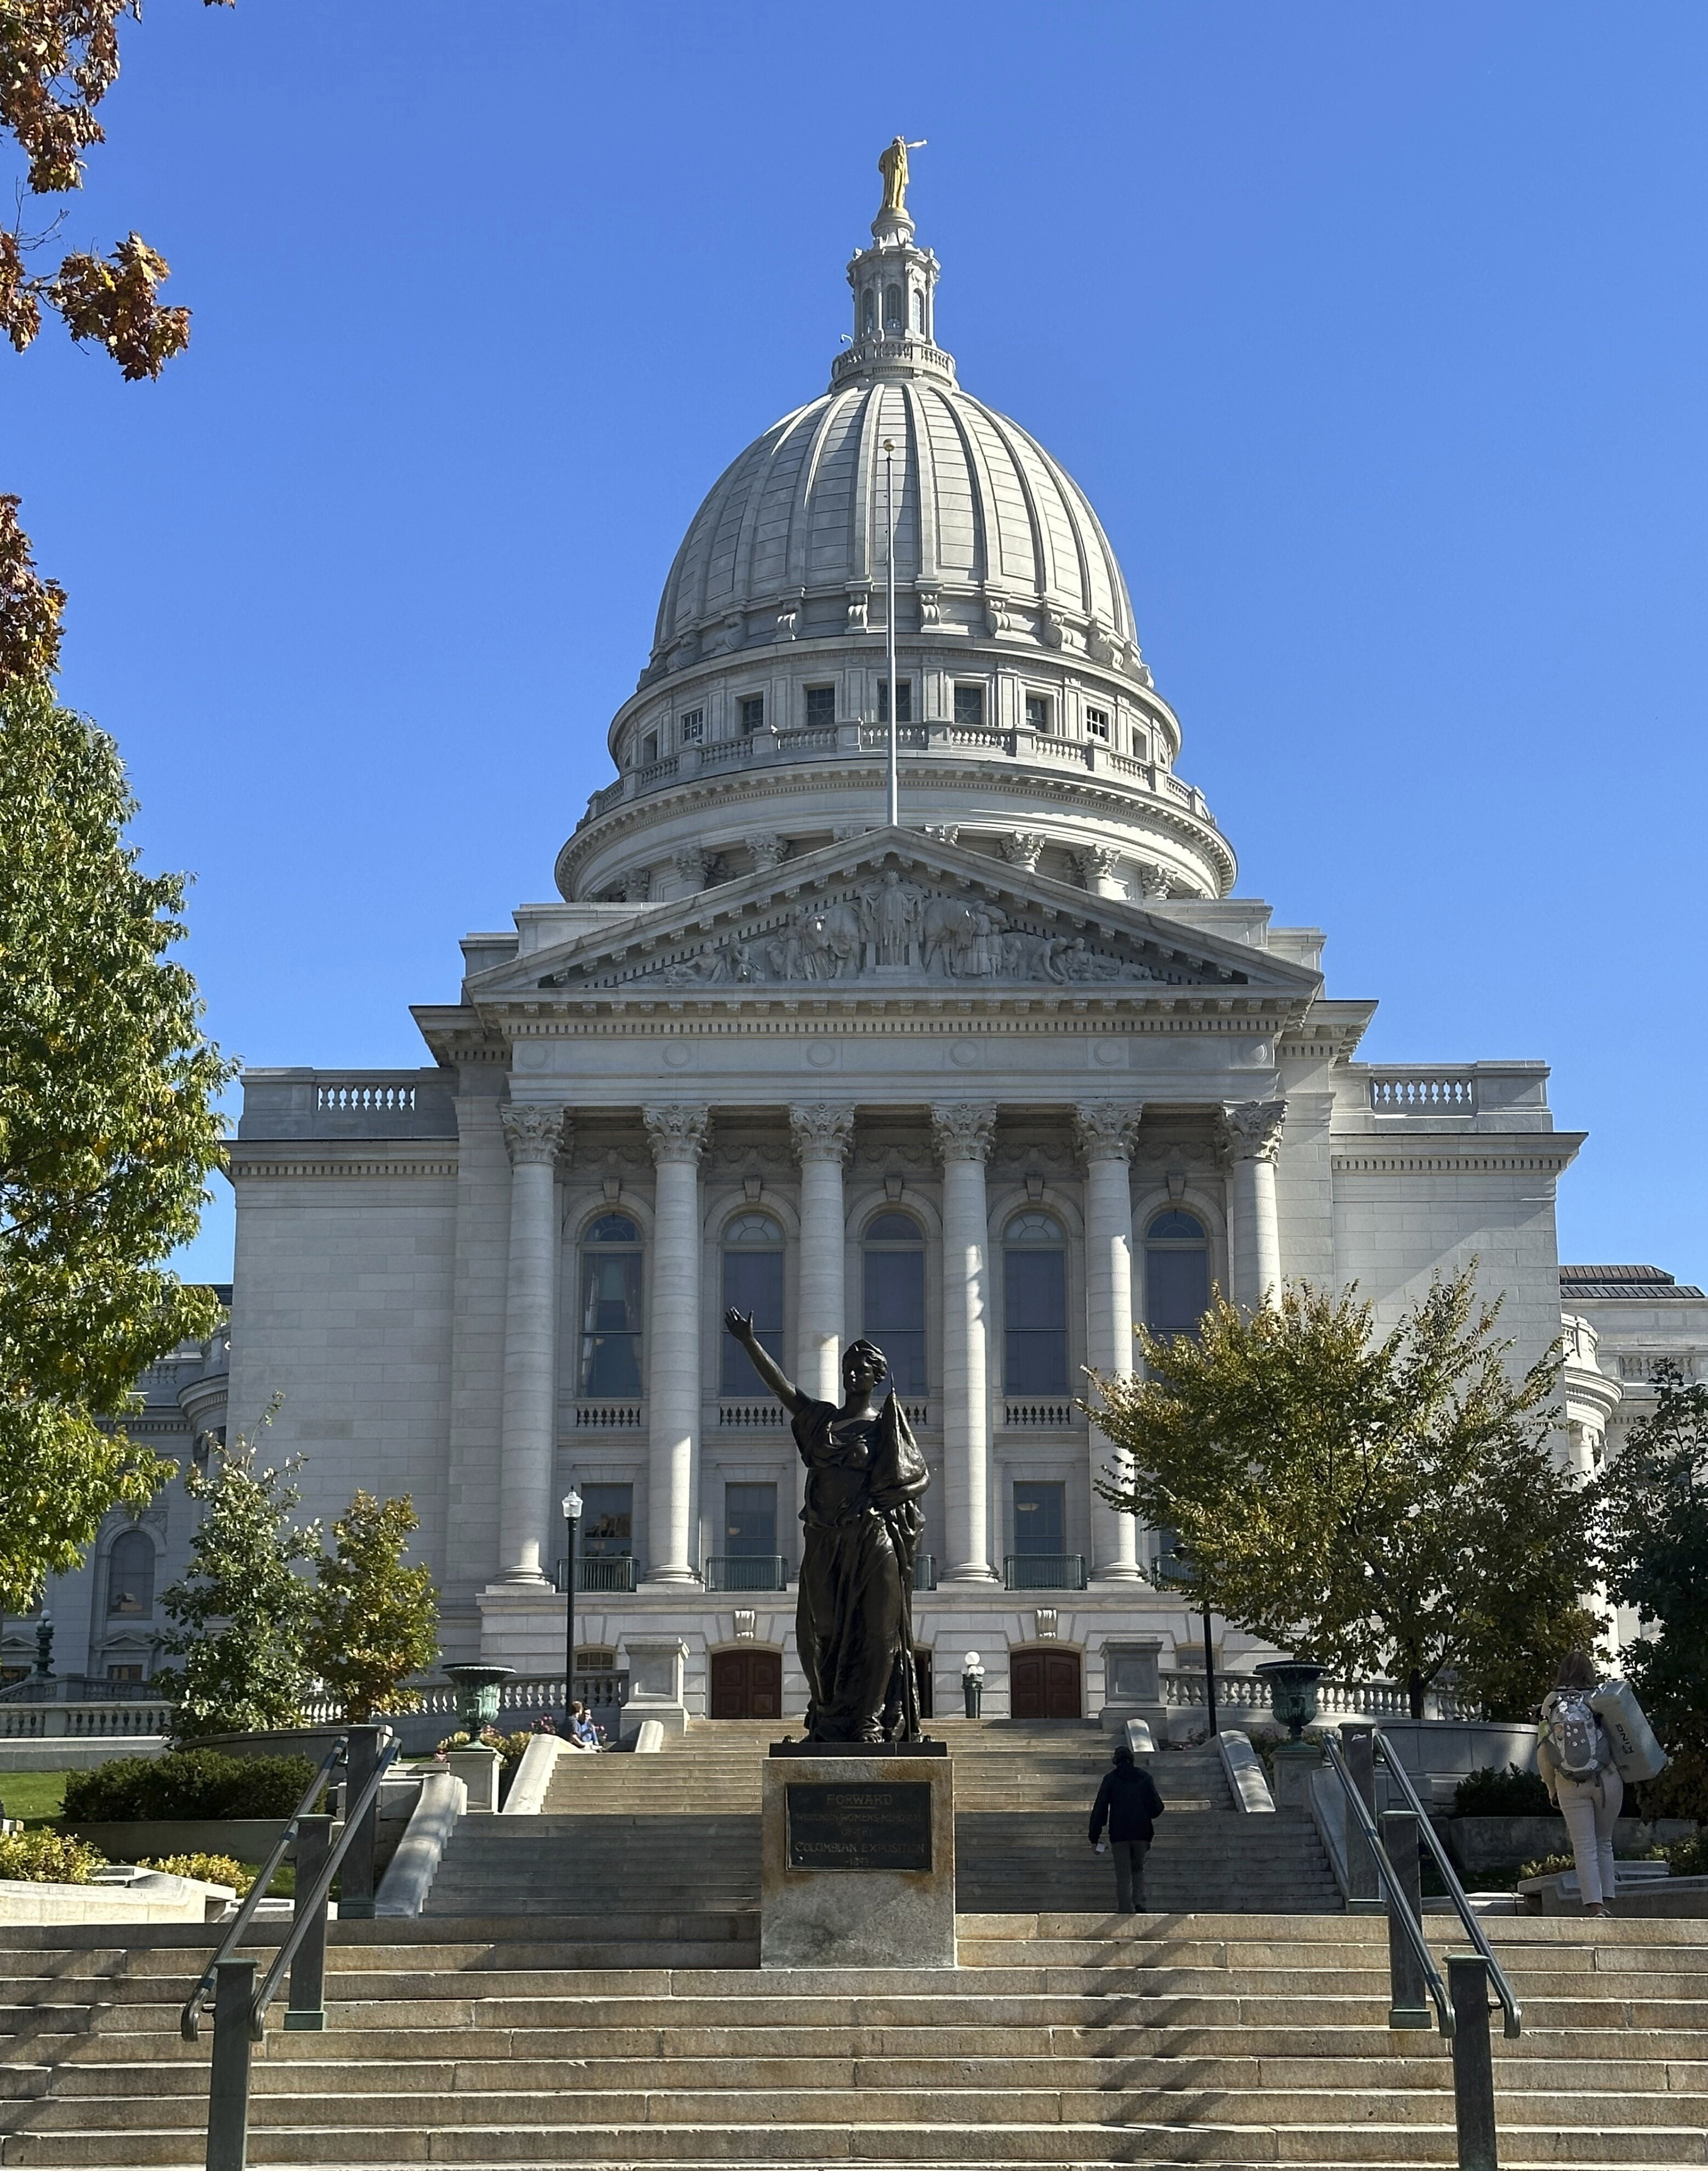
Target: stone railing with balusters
(1184, 1687)
(1423, 1092)
(750, 1417)
(1019, 1416)
(137, 1719)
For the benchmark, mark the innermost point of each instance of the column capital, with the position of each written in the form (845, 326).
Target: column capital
(1251, 1130)
(1107, 1130)
(1096, 862)
(963, 1129)
(535, 1133)
(677, 1130)
(822, 1130)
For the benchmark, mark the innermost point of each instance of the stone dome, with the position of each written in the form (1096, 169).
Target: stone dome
(1027, 723)
(993, 535)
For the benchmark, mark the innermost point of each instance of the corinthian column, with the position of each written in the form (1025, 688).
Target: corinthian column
(1106, 1136)
(963, 1132)
(823, 1134)
(1251, 1133)
(677, 1135)
(534, 1137)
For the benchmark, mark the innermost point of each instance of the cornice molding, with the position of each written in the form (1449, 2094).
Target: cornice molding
(272, 1160)
(1543, 1153)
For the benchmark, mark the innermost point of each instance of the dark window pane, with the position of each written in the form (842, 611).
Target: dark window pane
(607, 1522)
(610, 1318)
(131, 1577)
(970, 704)
(893, 1229)
(893, 1309)
(1039, 1518)
(753, 713)
(753, 1281)
(1175, 1227)
(749, 1521)
(821, 705)
(903, 700)
(1034, 1298)
(1177, 1290)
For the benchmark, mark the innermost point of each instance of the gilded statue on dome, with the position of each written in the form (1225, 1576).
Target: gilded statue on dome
(892, 163)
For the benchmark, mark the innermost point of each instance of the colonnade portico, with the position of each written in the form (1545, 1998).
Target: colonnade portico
(678, 1366)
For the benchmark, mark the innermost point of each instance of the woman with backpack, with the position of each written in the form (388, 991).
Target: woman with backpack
(1576, 1759)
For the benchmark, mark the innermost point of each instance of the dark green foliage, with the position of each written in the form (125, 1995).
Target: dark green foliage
(190, 1783)
(1513, 1793)
(1656, 1559)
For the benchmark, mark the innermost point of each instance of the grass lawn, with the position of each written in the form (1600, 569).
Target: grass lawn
(37, 1797)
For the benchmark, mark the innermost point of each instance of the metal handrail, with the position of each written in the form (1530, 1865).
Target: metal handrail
(1514, 2022)
(189, 2021)
(309, 1908)
(1399, 1908)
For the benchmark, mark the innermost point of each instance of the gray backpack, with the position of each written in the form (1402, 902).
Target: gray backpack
(1573, 1735)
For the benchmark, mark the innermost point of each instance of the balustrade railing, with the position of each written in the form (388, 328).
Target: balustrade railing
(1424, 1093)
(747, 1572)
(1044, 1572)
(1031, 1417)
(767, 1416)
(1184, 1687)
(607, 1417)
(605, 1575)
(362, 1097)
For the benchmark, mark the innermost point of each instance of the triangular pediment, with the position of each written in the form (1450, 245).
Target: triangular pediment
(894, 909)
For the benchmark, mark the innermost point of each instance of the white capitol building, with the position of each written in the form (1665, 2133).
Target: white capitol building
(984, 1086)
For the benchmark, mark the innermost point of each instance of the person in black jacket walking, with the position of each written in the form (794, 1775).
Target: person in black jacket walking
(1128, 1803)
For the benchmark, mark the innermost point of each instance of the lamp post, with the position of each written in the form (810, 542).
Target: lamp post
(972, 1682)
(571, 1516)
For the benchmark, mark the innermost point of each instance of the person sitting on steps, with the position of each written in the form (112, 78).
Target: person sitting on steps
(1128, 1803)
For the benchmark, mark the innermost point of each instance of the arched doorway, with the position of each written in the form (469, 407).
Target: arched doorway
(1043, 1684)
(747, 1684)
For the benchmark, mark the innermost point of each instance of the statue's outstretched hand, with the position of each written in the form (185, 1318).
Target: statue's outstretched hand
(739, 1324)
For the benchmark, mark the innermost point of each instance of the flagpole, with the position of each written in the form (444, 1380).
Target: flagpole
(889, 630)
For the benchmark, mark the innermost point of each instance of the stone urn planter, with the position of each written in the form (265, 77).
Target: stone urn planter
(477, 1688)
(1292, 1688)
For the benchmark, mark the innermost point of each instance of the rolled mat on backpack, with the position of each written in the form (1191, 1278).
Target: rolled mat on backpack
(1636, 1754)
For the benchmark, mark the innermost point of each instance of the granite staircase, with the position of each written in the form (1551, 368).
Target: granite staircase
(681, 1831)
(1062, 2039)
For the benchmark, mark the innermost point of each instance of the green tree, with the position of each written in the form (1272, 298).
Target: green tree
(108, 1132)
(375, 1622)
(1382, 1505)
(1655, 1557)
(243, 1612)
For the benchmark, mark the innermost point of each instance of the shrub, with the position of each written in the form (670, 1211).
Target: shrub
(207, 1868)
(509, 1746)
(191, 1783)
(1513, 1793)
(1549, 1865)
(45, 1857)
(1689, 1857)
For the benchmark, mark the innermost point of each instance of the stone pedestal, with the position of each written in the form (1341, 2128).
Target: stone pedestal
(1296, 1763)
(655, 1685)
(478, 1769)
(858, 1869)
(1133, 1684)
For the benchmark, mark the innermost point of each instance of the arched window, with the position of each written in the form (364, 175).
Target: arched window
(868, 313)
(753, 1281)
(1176, 1274)
(1034, 1305)
(130, 1577)
(611, 1310)
(894, 321)
(893, 1297)
(918, 310)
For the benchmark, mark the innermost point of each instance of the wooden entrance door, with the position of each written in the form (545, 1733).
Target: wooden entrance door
(1043, 1684)
(747, 1684)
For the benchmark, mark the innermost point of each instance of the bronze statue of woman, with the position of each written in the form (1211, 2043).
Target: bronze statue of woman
(865, 1474)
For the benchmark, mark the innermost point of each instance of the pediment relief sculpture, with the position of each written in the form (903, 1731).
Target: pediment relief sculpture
(893, 929)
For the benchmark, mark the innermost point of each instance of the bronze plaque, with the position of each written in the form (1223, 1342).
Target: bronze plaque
(866, 1825)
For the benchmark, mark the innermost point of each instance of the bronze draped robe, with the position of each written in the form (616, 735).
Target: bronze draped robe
(854, 1621)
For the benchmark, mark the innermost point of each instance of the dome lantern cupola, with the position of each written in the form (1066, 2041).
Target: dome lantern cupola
(895, 283)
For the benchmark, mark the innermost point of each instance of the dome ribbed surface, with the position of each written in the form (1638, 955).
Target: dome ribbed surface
(982, 512)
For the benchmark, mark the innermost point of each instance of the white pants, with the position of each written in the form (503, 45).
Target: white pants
(1590, 1808)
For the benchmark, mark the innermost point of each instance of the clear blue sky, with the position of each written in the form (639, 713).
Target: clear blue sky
(1374, 333)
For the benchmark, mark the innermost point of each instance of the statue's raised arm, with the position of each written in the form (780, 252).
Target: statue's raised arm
(740, 1325)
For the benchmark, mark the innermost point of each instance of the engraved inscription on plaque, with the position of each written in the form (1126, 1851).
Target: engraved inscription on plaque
(858, 1827)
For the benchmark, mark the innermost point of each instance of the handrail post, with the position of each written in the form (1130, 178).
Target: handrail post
(1409, 1990)
(1363, 1885)
(306, 2013)
(1474, 2064)
(227, 2087)
(355, 1901)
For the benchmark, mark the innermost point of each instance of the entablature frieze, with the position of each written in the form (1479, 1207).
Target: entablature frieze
(259, 1159)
